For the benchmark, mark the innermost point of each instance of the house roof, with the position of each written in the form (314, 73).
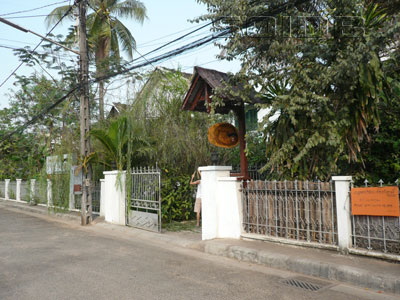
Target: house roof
(203, 84)
(116, 109)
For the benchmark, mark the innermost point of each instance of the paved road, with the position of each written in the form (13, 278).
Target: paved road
(45, 259)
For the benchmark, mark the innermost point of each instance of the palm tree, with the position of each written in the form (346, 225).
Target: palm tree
(123, 143)
(106, 33)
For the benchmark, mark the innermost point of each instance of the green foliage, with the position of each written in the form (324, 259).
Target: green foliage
(325, 89)
(181, 226)
(121, 141)
(60, 188)
(178, 138)
(177, 197)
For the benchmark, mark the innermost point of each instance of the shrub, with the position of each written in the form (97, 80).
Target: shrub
(177, 197)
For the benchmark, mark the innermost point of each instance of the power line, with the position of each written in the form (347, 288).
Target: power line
(37, 46)
(31, 52)
(168, 35)
(28, 17)
(165, 56)
(33, 9)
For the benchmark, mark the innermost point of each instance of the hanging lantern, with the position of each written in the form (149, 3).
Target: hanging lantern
(223, 135)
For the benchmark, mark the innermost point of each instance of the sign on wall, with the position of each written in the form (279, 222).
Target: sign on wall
(375, 201)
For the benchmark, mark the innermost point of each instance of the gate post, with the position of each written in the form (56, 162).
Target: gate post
(209, 184)
(115, 200)
(18, 190)
(6, 188)
(342, 192)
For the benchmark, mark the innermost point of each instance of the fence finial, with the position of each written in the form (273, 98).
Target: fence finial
(366, 182)
(380, 182)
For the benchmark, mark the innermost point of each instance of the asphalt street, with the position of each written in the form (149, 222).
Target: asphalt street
(45, 259)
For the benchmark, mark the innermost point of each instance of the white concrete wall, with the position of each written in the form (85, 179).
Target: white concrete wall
(209, 187)
(114, 197)
(343, 213)
(7, 186)
(102, 197)
(229, 208)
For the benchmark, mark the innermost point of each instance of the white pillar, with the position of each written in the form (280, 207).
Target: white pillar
(6, 188)
(102, 196)
(18, 190)
(229, 208)
(49, 193)
(32, 194)
(209, 177)
(114, 197)
(342, 191)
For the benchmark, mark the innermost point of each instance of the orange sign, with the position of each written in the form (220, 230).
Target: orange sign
(375, 201)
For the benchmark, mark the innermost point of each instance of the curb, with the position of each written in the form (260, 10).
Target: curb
(42, 210)
(341, 273)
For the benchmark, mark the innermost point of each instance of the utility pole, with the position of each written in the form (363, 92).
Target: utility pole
(86, 209)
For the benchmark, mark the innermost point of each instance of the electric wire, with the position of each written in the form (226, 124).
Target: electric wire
(37, 46)
(33, 9)
(155, 59)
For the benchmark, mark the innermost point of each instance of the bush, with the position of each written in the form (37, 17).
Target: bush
(177, 197)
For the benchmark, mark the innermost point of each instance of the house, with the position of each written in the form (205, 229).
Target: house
(152, 89)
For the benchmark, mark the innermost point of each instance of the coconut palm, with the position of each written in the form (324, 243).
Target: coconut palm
(107, 35)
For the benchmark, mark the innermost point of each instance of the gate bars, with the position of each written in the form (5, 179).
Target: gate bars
(299, 210)
(145, 206)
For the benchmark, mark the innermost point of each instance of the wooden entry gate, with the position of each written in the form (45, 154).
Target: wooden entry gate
(144, 209)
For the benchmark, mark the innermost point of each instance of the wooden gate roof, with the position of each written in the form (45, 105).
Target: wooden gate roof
(204, 82)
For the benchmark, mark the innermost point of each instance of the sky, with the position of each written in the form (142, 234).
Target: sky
(166, 21)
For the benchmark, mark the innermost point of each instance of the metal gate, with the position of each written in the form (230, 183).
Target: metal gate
(144, 209)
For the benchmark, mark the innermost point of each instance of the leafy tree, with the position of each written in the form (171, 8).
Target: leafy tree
(323, 77)
(106, 33)
(54, 131)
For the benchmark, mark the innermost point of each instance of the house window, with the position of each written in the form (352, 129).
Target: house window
(250, 119)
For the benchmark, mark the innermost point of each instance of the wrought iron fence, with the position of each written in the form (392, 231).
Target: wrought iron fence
(298, 210)
(376, 233)
(25, 191)
(40, 192)
(253, 170)
(12, 190)
(96, 191)
(2, 189)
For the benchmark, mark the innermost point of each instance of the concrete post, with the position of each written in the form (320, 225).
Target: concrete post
(229, 208)
(342, 191)
(6, 188)
(18, 190)
(209, 214)
(102, 197)
(49, 193)
(114, 197)
(32, 195)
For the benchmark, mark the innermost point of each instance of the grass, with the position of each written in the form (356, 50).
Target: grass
(181, 226)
